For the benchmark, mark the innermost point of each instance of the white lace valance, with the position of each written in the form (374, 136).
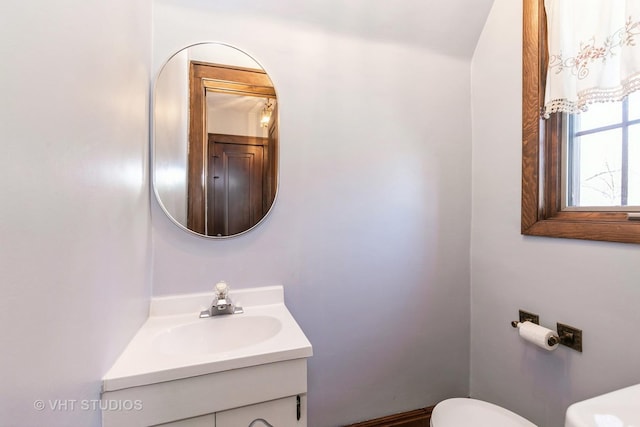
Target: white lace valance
(594, 52)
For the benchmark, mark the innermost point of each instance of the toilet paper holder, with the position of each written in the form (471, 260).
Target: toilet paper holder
(553, 340)
(567, 335)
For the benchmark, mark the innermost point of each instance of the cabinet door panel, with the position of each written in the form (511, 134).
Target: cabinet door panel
(203, 421)
(278, 413)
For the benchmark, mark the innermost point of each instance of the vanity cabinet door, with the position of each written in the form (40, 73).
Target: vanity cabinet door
(278, 413)
(203, 421)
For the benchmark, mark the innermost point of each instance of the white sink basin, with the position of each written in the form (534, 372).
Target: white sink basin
(218, 334)
(174, 343)
(620, 408)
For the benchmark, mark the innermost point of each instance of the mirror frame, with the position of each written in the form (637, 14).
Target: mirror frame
(253, 86)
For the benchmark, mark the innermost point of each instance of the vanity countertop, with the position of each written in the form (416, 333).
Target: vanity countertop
(174, 343)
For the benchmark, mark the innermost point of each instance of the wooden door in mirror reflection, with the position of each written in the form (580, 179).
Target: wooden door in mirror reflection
(235, 185)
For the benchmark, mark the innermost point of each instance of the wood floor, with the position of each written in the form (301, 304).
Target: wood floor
(417, 418)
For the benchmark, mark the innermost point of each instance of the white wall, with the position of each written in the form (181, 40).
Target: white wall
(593, 286)
(236, 114)
(171, 133)
(74, 216)
(370, 232)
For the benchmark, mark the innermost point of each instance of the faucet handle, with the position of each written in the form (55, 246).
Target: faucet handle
(221, 304)
(221, 290)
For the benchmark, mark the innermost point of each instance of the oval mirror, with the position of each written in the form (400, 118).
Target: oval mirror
(215, 140)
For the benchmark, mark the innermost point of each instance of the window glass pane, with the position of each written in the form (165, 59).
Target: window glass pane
(634, 166)
(598, 115)
(634, 106)
(594, 178)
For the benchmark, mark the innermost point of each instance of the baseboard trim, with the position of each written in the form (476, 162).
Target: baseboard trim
(416, 418)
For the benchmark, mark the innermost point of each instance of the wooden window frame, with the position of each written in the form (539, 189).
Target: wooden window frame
(542, 213)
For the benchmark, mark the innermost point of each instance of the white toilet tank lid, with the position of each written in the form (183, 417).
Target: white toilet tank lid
(466, 412)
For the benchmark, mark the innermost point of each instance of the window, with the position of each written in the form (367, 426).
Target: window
(573, 184)
(601, 156)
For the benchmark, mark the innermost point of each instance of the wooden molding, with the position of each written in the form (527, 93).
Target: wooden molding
(416, 418)
(238, 139)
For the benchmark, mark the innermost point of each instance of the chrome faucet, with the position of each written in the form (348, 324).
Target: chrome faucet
(222, 303)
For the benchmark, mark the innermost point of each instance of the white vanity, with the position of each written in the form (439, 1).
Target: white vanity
(224, 371)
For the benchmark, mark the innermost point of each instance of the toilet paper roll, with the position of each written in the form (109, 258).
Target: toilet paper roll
(537, 334)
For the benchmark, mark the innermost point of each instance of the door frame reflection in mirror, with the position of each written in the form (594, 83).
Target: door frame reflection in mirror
(220, 78)
(228, 79)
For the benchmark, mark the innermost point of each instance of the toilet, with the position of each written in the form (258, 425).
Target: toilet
(616, 408)
(458, 412)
